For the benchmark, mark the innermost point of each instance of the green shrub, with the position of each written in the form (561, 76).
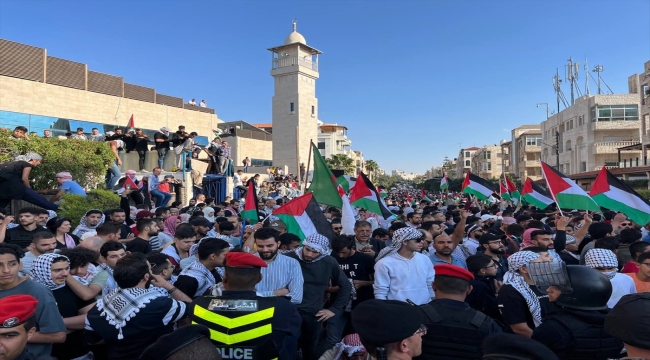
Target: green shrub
(637, 184)
(87, 161)
(75, 206)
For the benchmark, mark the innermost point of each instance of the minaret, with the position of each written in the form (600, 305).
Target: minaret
(295, 107)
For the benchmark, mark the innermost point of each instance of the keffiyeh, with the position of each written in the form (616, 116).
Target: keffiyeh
(317, 242)
(527, 241)
(42, 270)
(121, 305)
(604, 258)
(351, 344)
(203, 277)
(399, 236)
(515, 262)
(170, 225)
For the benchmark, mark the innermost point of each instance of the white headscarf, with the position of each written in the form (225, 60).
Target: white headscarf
(206, 214)
(399, 236)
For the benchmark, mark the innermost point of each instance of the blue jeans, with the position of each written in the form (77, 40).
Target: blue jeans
(161, 157)
(162, 198)
(113, 174)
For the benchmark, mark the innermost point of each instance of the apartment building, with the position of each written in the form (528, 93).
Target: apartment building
(526, 151)
(597, 130)
(486, 161)
(641, 85)
(464, 161)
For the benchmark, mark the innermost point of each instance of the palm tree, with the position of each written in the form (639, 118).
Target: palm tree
(371, 167)
(341, 162)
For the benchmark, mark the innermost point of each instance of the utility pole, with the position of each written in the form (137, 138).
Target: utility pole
(557, 150)
(556, 84)
(570, 78)
(586, 76)
(598, 69)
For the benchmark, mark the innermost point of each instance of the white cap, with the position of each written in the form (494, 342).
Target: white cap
(486, 217)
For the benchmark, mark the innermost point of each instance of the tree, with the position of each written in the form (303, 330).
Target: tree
(86, 161)
(387, 181)
(342, 162)
(371, 167)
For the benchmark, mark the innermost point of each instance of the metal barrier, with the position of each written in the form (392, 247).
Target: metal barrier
(214, 186)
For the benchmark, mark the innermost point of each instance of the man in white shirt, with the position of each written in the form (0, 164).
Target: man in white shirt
(239, 184)
(203, 103)
(192, 102)
(402, 272)
(283, 276)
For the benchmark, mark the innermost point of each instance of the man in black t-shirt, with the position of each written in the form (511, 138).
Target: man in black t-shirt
(147, 228)
(522, 304)
(161, 140)
(22, 234)
(359, 268)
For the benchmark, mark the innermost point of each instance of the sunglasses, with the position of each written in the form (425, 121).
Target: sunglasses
(626, 224)
(337, 228)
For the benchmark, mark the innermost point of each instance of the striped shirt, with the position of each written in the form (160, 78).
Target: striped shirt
(282, 273)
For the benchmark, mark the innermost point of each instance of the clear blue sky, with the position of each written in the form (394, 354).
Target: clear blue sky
(412, 80)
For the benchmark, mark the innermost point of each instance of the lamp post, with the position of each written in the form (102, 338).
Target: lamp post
(547, 109)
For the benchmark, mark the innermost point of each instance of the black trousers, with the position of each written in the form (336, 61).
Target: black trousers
(309, 333)
(142, 154)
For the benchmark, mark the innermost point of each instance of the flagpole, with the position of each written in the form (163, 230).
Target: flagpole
(311, 146)
(297, 152)
(551, 191)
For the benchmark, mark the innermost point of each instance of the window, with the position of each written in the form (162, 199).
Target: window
(260, 162)
(581, 120)
(533, 140)
(486, 166)
(467, 163)
(291, 107)
(321, 145)
(486, 155)
(313, 110)
(466, 153)
(615, 113)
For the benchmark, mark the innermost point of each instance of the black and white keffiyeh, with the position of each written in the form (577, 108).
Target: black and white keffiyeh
(515, 262)
(203, 276)
(317, 242)
(399, 236)
(121, 305)
(604, 258)
(42, 270)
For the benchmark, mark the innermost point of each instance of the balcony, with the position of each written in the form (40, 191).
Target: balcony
(612, 125)
(294, 60)
(611, 147)
(530, 163)
(532, 148)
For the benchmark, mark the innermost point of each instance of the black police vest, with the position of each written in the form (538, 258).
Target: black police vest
(453, 334)
(240, 328)
(591, 341)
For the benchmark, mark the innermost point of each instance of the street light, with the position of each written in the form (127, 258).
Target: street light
(547, 109)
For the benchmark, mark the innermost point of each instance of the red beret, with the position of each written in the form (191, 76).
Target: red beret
(144, 214)
(16, 309)
(454, 271)
(242, 259)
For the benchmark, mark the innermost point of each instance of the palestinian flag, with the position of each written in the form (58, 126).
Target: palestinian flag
(365, 196)
(250, 207)
(424, 196)
(323, 183)
(512, 189)
(303, 217)
(611, 193)
(503, 190)
(347, 182)
(533, 194)
(567, 193)
(131, 184)
(444, 182)
(477, 186)
(382, 192)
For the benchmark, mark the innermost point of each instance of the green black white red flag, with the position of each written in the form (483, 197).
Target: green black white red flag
(444, 182)
(323, 183)
(611, 193)
(533, 194)
(365, 195)
(250, 206)
(303, 217)
(566, 192)
(477, 186)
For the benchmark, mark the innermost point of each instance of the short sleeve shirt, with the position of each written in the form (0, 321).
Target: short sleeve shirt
(514, 308)
(72, 187)
(48, 318)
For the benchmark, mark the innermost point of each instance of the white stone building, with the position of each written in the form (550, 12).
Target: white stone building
(333, 139)
(641, 83)
(591, 132)
(525, 152)
(486, 162)
(464, 161)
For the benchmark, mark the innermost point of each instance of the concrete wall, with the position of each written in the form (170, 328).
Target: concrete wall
(37, 98)
(254, 149)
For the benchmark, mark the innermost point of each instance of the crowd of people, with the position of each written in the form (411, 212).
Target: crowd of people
(446, 277)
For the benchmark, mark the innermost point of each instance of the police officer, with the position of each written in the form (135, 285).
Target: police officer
(243, 325)
(17, 325)
(455, 329)
(389, 329)
(576, 330)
